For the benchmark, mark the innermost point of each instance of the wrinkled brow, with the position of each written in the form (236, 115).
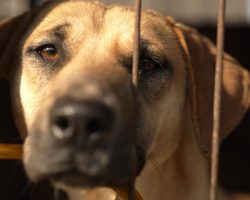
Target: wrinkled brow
(58, 31)
(145, 52)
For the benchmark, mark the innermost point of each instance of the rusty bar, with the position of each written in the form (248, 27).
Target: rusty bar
(136, 52)
(135, 69)
(217, 100)
(11, 151)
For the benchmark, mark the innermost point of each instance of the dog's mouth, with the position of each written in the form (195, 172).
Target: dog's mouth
(75, 178)
(91, 173)
(94, 171)
(108, 162)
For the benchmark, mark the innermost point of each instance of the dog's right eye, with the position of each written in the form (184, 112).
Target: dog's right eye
(48, 52)
(149, 65)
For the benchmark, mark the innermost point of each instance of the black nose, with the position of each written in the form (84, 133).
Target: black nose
(90, 120)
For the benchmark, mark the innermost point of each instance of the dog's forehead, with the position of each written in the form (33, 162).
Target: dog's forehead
(86, 18)
(107, 31)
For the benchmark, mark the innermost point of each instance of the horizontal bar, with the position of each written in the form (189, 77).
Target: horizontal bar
(11, 151)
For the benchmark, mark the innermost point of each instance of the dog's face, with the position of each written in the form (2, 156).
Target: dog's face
(83, 116)
(72, 94)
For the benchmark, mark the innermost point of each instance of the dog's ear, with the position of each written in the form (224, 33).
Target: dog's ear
(11, 34)
(200, 56)
(11, 31)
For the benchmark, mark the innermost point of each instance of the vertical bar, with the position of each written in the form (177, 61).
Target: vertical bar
(135, 69)
(217, 100)
(136, 52)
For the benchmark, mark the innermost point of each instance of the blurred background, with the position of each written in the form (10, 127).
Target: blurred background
(189, 11)
(201, 14)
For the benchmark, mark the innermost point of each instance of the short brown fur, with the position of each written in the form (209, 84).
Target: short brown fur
(175, 106)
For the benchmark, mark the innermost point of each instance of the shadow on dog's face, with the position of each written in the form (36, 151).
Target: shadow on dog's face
(87, 125)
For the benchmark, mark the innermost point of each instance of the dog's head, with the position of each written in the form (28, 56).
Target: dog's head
(73, 96)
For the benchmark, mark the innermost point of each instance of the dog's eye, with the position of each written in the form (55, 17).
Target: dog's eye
(154, 74)
(149, 65)
(48, 52)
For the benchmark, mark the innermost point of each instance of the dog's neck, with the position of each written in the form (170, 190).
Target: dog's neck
(183, 175)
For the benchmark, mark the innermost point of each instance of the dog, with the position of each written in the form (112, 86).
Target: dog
(84, 123)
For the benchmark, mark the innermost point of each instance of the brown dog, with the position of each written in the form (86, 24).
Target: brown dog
(87, 126)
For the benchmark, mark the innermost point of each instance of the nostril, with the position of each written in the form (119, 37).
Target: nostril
(62, 123)
(62, 127)
(87, 120)
(94, 128)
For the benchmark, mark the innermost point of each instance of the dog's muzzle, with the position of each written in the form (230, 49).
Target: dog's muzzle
(84, 143)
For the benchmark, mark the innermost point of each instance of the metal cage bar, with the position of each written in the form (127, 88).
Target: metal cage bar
(217, 100)
(136, 53)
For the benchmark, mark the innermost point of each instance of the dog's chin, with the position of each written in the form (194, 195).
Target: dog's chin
(120, 174)
(91, 173)
(77, 179)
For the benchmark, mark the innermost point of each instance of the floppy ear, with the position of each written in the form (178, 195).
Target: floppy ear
(8, 41)
(235, 100)
(11, 33)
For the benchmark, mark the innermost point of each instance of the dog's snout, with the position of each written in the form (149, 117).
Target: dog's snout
(88, 120)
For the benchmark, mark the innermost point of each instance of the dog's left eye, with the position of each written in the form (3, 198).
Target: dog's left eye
(153, 75)
(149, 65)
(48, 52)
